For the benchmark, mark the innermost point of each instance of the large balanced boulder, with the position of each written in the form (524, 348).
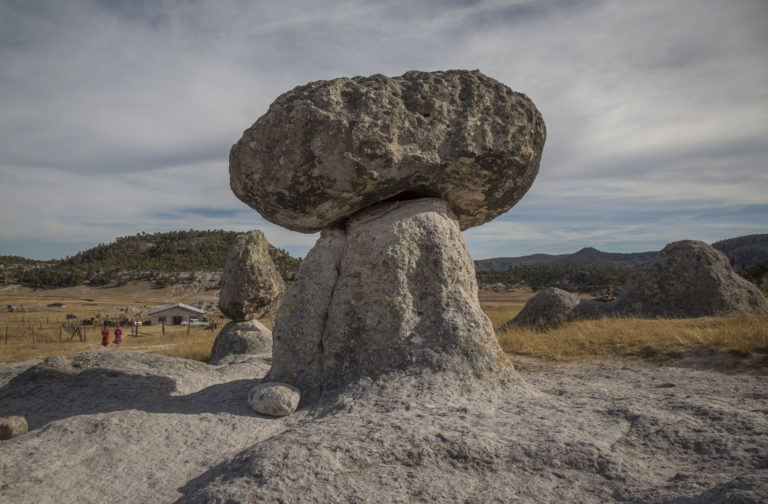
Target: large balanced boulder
(401, 294)
(240, 338)
(688, 279)
(251, 285)
(551, 307)
(327, 149)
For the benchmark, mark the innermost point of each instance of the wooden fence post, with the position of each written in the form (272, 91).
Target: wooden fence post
(60, 334)
(163, 322)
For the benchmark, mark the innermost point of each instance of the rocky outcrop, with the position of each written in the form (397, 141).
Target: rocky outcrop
(251, 287)
(395, 291)
(274, 399)
(549, 308)
(688, 279)
(328, 149)
(239, 338)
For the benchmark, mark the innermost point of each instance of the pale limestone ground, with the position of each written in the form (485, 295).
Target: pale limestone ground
(140, 428)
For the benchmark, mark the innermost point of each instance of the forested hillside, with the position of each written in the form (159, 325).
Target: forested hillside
(745, 251)
(139, 257)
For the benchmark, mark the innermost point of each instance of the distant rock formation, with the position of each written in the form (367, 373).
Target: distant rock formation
(549, 308)
(391, 170)
(328, 149)
(240, 338)
(251, 287)
(687, 279)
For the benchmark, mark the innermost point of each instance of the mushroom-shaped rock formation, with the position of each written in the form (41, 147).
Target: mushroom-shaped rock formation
(325, 150)
(251, 285)
(390, 170)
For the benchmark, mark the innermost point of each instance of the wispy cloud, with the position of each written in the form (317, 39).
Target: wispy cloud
(118, 116)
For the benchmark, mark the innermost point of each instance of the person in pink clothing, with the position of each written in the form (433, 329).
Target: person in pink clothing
(105, 336)
(118, 336)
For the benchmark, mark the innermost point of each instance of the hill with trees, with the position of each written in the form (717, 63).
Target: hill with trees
(591, 270)
(587, 256)
(140, 257)
(745, 251)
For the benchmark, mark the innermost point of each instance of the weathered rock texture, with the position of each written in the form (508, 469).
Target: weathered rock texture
(549, 308)
(241, 338)
(274, 399)
(397, 291)
(688, 279)
(251, 286)
(12, 425)
(325, 150)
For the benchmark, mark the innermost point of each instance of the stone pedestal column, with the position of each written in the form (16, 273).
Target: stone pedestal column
(394, 290)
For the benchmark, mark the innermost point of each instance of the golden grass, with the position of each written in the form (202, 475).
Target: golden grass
(635, 337)
(656, 339)
(195, 344)
(36, 334)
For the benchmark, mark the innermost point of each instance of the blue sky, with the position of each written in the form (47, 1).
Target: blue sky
(117, 117)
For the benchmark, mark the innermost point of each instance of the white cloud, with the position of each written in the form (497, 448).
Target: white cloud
(118, 117)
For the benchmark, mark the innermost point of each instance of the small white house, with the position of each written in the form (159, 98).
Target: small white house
(174, 314)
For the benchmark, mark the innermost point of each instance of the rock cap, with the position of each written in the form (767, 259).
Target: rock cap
(327, 149)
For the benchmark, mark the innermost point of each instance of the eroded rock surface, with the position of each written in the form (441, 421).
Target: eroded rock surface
(688, 279)
(274, 399)
(401, 294)
(327, 149)
(251, 286)
(241, 338)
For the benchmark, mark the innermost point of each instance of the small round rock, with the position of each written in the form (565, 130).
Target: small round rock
(274, 398)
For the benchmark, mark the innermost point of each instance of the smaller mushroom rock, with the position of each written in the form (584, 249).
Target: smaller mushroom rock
(251, 285)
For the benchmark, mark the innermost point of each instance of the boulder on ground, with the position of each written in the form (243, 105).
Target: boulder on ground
(274, 399)
(13, 425)
(240, 338)
(251, 285)
(405, 296)
(328, 149)
(688, 279)
(549, 308)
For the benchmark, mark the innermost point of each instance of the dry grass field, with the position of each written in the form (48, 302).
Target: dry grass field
(637, 338)
(37, 328)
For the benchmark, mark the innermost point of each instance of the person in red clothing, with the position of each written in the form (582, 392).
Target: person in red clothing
(105, 336)
(118, 336)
